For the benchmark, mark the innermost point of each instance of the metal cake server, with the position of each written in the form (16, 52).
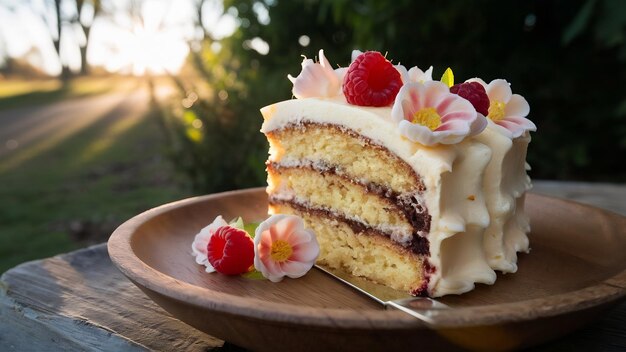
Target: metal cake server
(422, 308)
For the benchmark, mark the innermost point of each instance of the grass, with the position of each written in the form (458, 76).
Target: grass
(13, 87)
(16, 93)
(78, 190)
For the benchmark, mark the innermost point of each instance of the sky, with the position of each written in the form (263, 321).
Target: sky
(117, 42)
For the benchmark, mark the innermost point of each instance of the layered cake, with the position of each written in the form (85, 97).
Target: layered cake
(412, 183)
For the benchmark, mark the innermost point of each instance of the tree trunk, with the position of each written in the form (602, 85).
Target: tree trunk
(65, 70)
(84, 66)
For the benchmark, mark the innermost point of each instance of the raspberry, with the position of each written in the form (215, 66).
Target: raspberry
(371, 80)
(475, 93)
(230, 251)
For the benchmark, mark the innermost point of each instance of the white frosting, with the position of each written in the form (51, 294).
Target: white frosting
(459, 196)
(457, 229)
(504, 186)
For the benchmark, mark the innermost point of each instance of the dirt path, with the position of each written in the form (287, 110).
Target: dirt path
(27, 131)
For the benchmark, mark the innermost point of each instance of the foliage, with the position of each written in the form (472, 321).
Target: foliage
(214, 128)
(565, 57)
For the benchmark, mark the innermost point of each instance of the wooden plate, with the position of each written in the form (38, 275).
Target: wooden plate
(575, 272)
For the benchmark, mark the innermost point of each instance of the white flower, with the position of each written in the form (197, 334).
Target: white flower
(417, 75)
(283, 247)
(414, 74)
(506, 109)
(201, 241)
(317, 79)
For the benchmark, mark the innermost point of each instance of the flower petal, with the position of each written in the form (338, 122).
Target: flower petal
(273, 270)
(449, 137)
(517, 125)
(404, 74)
(316, 79)
(453, 103)
(523, 122)
(201, 242)
(517, 106)
(478, 125)
(434, 92)
(341, 73)
(501, 129)
(417, 133)
(295, 269)
(306, 252)
(300, 236)
(499, 90)
(417, 75)
(479, 80)
(355, 54)
(284, 228)
(515, 129)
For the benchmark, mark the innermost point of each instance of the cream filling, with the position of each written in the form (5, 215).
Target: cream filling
(454, 177)
(398, 234)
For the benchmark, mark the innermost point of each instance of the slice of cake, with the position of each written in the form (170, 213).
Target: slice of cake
(404, 179)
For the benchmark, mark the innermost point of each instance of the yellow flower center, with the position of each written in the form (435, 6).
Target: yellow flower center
(280, 251)
(427, 117)
(496, 110)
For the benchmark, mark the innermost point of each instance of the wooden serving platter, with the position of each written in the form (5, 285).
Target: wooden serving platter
(576, 270)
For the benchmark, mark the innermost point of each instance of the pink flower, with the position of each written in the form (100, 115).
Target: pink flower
(507, 110)
(283, 247)
(201, 241)
(427, 113)
(317, 79)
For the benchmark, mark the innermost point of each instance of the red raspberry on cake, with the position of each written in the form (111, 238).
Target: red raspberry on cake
(371, 80)
(230, 251)
(475, 93)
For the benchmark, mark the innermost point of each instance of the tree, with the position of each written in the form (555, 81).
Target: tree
(52, 17)
(56, 39)
(85, 24)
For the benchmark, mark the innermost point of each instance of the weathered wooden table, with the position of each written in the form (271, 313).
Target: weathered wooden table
(80, 301)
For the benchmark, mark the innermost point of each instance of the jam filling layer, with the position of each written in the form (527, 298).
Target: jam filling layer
(419, 245)
(415, 213)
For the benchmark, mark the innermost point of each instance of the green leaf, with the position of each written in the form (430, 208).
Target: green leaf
(448, 77)
(250, 228)
(610, 30)
(253, 275)
(238, 223)
(578, 25)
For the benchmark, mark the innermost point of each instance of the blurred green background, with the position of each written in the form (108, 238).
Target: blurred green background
(108, 108)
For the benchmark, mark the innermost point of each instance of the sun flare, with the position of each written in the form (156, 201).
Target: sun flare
(150, 51)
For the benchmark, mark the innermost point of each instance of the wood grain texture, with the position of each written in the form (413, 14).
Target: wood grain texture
(81, 302)
(610, 196)
(575, 272)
